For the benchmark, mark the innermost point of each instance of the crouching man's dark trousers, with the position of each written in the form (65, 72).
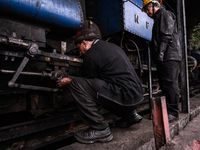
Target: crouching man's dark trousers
(84, 92)
(168, 73)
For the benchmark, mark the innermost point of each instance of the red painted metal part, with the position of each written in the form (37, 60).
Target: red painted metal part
(160, 122)
(195, 145)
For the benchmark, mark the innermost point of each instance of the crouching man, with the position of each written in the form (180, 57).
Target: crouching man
(108, 80)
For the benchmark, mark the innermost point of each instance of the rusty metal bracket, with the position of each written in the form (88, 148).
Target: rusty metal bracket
(160, 122)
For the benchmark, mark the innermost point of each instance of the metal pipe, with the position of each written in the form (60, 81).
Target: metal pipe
(150, 80)
(25, 73)
(36, 74)
(32, 87)
(139, 59)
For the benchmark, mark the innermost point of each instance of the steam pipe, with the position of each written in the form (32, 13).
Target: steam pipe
(139, 59)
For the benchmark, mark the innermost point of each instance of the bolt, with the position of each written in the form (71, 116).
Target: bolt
(15, 144)
(54, 50)
(12, 58)
(6, 57)
(14, 34)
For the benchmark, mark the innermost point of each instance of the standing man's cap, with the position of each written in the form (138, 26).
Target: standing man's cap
(146, 2)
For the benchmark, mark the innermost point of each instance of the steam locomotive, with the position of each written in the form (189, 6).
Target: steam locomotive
(36, 47)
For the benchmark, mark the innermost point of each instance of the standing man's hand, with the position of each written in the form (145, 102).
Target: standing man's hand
(64, 81)
(163, 48)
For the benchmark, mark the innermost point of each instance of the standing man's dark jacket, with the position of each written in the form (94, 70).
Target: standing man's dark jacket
(108, 62)
(165, 39)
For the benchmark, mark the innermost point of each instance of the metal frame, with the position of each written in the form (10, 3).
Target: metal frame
(181, 19)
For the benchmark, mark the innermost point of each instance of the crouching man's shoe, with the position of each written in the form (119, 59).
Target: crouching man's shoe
(172, 118)
(127, 121)
(91, 135)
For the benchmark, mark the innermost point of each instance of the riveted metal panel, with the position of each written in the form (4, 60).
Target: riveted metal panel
(136, 21)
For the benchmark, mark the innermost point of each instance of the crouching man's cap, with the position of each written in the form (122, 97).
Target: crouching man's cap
(84, 33)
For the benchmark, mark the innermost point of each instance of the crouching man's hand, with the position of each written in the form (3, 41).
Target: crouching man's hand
(64, 81)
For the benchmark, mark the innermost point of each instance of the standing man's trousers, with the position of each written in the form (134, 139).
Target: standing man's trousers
(168, 72)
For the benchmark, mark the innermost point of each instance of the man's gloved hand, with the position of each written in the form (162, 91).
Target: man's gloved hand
(64, 81)
(163, 47)
(160, 57)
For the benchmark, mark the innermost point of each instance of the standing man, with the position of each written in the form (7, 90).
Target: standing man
(166, 53)
(108, 80)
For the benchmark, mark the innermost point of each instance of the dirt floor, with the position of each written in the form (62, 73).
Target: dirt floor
(141, 136)
(187, 139)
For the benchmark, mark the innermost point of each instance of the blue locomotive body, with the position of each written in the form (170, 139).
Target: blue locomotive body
(113, 16)
(60, 13)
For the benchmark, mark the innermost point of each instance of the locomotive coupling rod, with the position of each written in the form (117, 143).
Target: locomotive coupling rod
(17, 73)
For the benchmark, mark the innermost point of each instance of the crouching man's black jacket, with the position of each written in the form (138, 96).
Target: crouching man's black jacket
(109, 63)
(165, 38)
